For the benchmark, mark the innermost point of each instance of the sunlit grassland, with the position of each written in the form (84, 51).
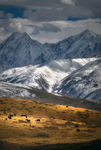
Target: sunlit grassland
(48, 124)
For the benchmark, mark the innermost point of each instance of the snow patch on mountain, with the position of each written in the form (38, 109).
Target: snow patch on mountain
(43, 76)
(14, 90)
(84, 82)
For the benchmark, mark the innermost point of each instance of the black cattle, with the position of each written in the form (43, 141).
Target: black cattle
(27, 120)
(24, 115)
(78, 130)
(38, 119)
(10, 116)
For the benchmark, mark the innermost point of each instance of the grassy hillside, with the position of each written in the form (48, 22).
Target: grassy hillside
(44, 96)
(29, 125)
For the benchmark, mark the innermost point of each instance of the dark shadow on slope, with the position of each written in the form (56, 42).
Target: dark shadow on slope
(44, 96)
(95, 94)
(93, 145)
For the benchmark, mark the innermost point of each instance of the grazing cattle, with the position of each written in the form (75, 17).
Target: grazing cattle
(10, 116)
(27, 120)
(24, 115)
(38, 119)
(78, 130)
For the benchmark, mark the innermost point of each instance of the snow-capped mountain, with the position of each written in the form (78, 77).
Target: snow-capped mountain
(84, 82)
(16, 91)
(43, 76)
(58, 67)
(20, 50)
(84, 45)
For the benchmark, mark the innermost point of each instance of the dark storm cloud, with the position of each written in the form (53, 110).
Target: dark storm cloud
(89, 3)
(93, 5)
(46, 27)
(49, 20)
(58, 13)
(30, 3)
(50, 28)
(57, 9)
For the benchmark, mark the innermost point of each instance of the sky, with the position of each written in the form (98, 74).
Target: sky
(49, 20)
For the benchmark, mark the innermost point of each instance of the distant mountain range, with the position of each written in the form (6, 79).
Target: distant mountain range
(71, 66)
(20, 50)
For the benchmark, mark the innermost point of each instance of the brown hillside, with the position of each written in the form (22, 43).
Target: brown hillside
(25, 124)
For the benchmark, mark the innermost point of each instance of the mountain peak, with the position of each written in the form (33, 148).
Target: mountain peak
(20, 34)
(88, 32)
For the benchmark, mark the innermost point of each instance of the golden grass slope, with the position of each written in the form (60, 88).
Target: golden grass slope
(46, 123)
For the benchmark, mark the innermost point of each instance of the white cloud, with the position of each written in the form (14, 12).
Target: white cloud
(58, 30)
(69, 2)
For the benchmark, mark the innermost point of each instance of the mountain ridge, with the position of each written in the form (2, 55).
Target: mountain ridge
(45, 66)
(20, 50)
(43, 76)
(85, 82)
